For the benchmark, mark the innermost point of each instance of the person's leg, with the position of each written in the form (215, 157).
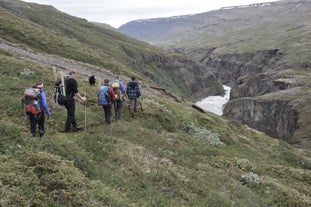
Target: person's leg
(132, 103)
(41, 124)
(70, 115)
(107, 113)
(115, 106)
(74, 123)
(119, 109)
(32, 122)
(109, 108)
(135, 105)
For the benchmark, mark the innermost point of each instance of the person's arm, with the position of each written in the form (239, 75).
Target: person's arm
(122, 87)
(138, 94)
(44, 104)
(127, 88)
(82, 98)
(76, 92)
(111, 94)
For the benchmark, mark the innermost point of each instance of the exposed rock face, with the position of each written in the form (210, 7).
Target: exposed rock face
(190, 75)
(253, 76)
(238, 68)
(274, 117)
(259, 84)
(194, 76)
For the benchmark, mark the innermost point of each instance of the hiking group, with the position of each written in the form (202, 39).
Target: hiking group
(115, 93)
(65, 91)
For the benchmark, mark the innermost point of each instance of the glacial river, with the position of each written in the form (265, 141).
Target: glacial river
(215, 103)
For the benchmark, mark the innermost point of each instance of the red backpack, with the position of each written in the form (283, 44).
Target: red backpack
(32, 101)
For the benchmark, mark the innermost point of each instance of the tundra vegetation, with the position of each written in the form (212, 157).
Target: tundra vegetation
(169, 155)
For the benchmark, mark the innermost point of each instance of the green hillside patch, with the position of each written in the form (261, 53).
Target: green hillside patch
(169, 155)
(47, 30)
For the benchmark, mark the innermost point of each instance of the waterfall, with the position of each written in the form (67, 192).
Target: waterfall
(215, 104)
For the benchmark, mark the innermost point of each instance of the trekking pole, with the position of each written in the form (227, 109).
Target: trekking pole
(84, 113)
(46, 126)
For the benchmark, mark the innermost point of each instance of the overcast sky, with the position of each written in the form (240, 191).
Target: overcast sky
(118, 12)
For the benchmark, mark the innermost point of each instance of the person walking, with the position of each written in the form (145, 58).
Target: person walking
(39, 118)
(120, 94)
(71, 87)
(133, 92)
(105, 97)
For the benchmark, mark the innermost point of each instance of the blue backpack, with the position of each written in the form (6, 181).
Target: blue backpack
(103, 97)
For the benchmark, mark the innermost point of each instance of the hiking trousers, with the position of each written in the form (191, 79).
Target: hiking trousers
(133, 105)
(107, 113)
(34, 119)
(71, 109)
(117, 109)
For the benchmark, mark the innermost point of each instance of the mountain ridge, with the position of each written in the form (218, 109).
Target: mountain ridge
(256, 49)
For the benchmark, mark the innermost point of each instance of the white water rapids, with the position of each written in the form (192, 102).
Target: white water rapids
(215, 103)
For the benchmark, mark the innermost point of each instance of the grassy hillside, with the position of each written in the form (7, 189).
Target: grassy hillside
(47, 30)
(169, 155)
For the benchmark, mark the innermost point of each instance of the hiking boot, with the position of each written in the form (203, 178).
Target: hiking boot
(41, 133)
(77, 128)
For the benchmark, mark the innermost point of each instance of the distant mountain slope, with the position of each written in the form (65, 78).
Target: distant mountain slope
(245, 29)
(258, 49)
(45, 29)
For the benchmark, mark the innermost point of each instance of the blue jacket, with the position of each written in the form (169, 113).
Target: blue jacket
(43, 103)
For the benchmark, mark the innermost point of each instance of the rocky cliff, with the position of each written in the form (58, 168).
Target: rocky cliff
(277, 118)
(257, 50)
(189, 76)
(267, 94)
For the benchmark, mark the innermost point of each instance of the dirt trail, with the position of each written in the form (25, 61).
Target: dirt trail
(60, 63)
(65, 65)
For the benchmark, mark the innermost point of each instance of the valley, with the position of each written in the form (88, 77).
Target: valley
(257, 50)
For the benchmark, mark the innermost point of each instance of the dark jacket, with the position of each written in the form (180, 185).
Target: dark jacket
(133, 90)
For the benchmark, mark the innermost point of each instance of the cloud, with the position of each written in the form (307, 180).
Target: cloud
(118, 12)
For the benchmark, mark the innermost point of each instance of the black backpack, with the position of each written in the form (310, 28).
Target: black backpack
(60, 93)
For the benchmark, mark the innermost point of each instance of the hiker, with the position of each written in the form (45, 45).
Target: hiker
(105, 97)
(119, 96)
(39, 118)
(71, 92)
(133, 92)
(92, 80)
